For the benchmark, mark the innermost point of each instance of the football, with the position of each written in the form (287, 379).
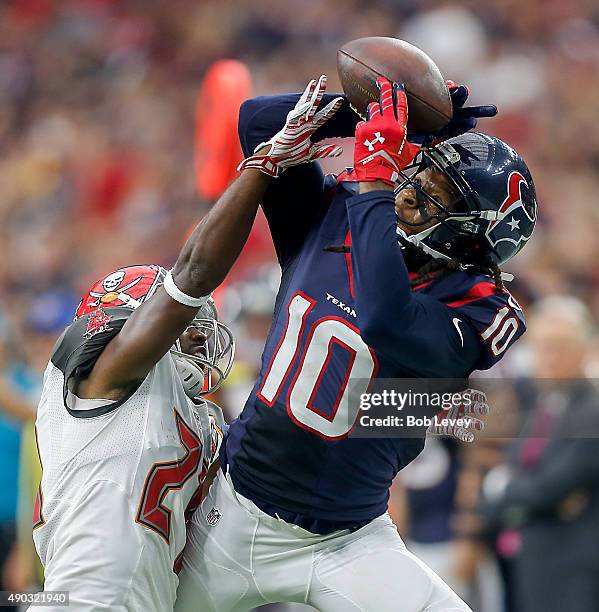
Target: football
(360, 62)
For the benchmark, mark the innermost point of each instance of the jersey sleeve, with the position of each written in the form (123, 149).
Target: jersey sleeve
(295, 200)
(498, 321)
(417, 332)
(79, 347)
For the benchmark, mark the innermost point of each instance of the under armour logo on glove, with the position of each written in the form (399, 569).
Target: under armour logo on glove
(378, 138)
(382, 149)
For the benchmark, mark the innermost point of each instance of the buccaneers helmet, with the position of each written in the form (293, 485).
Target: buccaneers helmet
(495, 210)
(132, 286)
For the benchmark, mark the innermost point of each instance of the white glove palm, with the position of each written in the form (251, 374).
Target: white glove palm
(470, 424)
(292, 145)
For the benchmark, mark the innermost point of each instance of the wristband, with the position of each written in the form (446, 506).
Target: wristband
(260, 162)
(179, 296)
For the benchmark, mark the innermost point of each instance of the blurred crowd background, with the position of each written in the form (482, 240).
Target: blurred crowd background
(97, 116)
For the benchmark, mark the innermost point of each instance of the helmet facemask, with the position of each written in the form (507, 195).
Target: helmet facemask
(456, 220)
(204, 374)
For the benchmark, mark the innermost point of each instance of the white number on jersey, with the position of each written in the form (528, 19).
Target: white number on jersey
(322, 337)
(501, 331)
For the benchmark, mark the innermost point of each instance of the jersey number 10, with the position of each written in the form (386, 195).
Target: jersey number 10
(323, 336)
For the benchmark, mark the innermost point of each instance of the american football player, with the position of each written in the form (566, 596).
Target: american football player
(298, 512)
(124, 436)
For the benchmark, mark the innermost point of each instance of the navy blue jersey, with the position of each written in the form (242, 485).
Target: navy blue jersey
(341, 317)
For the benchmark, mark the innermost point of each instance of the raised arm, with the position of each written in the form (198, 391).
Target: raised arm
(406, 327)
(293, 202)
(207, 256)
(204, 261)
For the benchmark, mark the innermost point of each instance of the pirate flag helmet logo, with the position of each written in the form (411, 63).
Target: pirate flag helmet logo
(130, 286)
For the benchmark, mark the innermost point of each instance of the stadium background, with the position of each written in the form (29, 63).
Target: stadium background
(98, 102)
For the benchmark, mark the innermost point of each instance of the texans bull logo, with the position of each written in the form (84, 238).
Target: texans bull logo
(515, 221)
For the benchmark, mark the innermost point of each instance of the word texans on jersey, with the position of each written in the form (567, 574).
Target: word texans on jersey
(348, 309)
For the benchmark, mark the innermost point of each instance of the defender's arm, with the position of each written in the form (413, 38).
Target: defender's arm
(203, 263)
(208, 254)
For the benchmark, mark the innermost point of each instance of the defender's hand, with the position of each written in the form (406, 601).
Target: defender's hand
(382, 150)
(293, 146)
(471, 424)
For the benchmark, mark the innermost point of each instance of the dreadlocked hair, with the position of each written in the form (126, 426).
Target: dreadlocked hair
(432, 268)
(436, 268)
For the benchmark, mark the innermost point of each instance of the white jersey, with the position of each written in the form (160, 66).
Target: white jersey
(119, 480)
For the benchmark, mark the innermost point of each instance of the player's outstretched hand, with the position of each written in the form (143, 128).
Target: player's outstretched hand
(382, 150)
(462, 420)
(293, 145)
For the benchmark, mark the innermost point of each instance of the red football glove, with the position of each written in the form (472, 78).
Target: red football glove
(382, 149)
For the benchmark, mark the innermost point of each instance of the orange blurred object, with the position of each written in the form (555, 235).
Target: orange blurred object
(217, 154)
(217, 151)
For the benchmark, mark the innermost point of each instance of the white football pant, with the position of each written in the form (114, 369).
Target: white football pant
(238, 557)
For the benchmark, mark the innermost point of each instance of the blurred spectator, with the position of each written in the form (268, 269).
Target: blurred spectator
(22, 367)
(47, 315)
(14, 411)
(545, 501)
(97, 104)
(425, 498)
(429, 483)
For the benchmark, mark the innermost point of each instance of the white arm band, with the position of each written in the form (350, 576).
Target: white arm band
(179, 296)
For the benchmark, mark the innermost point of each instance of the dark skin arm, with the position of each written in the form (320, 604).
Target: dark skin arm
(202, 265)
(210, 476)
